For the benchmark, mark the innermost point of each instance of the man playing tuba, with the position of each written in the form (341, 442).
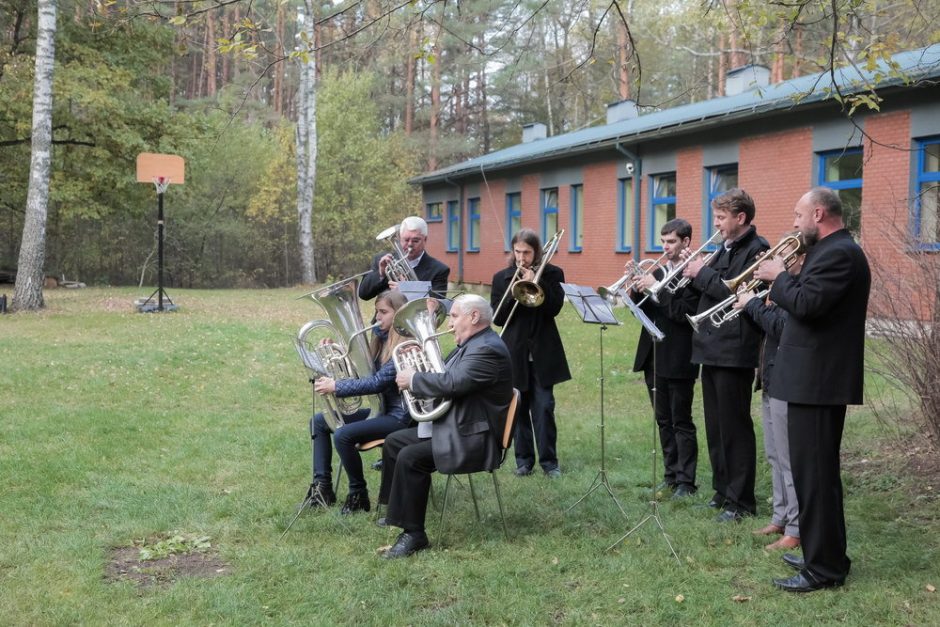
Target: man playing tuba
(412, 237)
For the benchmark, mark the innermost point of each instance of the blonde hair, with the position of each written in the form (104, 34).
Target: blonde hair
(395, 299)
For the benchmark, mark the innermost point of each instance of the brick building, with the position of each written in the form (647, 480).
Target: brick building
(611, 187)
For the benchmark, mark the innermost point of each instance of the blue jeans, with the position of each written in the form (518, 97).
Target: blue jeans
(356, 431)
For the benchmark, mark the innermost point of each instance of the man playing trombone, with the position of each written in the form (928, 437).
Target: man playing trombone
(729, 355)
(388, 269)
(538, 356)
(670, 375)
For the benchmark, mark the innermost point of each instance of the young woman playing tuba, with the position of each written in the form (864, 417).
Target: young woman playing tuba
(357, 429)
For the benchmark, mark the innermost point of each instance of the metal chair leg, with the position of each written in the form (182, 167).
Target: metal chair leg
(473, 495)
(499, 500)
(440, 534)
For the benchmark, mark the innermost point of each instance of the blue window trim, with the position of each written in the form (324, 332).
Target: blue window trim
(427, 212)
(708, 218)
(453, 214)
(821, 169)
(921, 178)
(653, 243)
(510, 214)
(573, 219)
(546, 211)
(473, 217)
(621, 245)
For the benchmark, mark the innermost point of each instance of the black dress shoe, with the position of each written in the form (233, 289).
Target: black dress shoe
(717, 501)
(805, 581)
(683, 491)
(320, 494)
(377, 465)
(729, 515)
(381, 522)
(408, 543)
(793, 561)
(523, 471)
(356, 502)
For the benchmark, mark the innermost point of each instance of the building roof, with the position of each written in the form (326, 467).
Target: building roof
(905, 68)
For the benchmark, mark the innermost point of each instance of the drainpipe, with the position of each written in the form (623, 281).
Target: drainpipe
(460, 224)
(637, 179)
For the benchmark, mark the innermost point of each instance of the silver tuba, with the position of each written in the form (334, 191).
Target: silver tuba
(347, 356)
(419, 319)
(398, 270)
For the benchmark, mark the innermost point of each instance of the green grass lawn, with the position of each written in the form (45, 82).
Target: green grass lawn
(118, 427)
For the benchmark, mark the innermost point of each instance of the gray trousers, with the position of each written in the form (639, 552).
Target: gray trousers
(786, 512)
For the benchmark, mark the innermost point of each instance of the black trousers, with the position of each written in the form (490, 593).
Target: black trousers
(673, 414)
(726, 397)
(407, 464)
(815, 440)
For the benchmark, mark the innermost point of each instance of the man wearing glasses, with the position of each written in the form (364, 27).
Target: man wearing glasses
(412, 235)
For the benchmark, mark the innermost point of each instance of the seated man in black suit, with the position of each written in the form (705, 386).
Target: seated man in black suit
(412, 236)
(478, 381)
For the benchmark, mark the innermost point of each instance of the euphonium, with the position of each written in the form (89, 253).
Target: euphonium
(398, 270)
(419, 319)
(347, 356)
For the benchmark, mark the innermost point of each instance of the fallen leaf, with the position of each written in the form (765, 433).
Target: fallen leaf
(383, 549)
(740, 598)
(931, 588)
(679, 598)
(555, 561)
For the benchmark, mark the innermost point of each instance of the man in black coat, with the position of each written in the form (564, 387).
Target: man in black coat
(667, 367)
(538, 356)
(478, 381)
(819, 370)
(729, 355)
(412, 236)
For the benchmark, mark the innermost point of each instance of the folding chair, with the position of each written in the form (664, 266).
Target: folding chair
(506, 441)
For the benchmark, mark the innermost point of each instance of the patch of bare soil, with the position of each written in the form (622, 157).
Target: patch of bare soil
(125, 564)
(911, 464)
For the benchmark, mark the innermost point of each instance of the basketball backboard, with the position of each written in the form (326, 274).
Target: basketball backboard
(156, 168)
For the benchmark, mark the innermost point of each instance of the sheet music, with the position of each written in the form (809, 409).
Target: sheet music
(590, 306)
(649, 325)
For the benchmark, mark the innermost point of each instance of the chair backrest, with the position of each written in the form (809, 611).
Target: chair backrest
(510, 419)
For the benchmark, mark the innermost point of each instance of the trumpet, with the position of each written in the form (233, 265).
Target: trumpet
(529, 293)
(398, 270)
(791, 247)
(633, 272)
(419, 319)
(673, 281)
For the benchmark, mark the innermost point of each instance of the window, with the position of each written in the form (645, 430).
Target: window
(433, 212)
(625, 216)
(549, 213)
(926, 227)
(662, 206)
(473, 224)
(720, 179)
(513, 216)
(453, 226)
(576, 240)
(841, 170)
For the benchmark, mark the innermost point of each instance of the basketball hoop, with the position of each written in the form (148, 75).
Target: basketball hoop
(161, 183)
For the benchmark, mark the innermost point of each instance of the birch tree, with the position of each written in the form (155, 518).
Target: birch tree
(27, 293)
(307, 146)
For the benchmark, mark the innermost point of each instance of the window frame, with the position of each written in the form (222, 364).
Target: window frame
(453, 216)
(843, 184)
(654, 244)
(921, 177)
(547, 210)
(473, 218)
(624, 203)
(429, 215)
(510, 215)
(708, 218)
(576, 218)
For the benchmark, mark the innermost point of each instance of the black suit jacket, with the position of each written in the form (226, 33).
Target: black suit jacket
(532, 330)
(478, 379)
(735, 344)
(674, 352)
(428, 269)
(820, 360)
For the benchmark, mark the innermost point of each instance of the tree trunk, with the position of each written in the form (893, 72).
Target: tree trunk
(279, 67)
(484, 107)
(435, 105)
(307, 150)
(623, 74)
(410, 61)
(210, 55)
(27, 293)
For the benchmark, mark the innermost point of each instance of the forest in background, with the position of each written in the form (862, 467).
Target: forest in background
(402, 87)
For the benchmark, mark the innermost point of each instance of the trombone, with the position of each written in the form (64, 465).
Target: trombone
(791, 247)
(529, 293)
(673, 281)
(634, 272)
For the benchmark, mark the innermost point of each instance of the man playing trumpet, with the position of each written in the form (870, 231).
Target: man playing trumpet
(669, 373)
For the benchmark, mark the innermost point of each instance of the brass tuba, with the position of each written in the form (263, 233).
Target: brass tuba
(398, 270)
(419, 320)
(347, 356)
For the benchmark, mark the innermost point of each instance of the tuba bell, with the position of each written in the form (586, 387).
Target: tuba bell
(419, 320)
(346, 356)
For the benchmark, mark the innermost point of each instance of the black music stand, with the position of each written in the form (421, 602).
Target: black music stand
(593, 309)
(657, 336)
